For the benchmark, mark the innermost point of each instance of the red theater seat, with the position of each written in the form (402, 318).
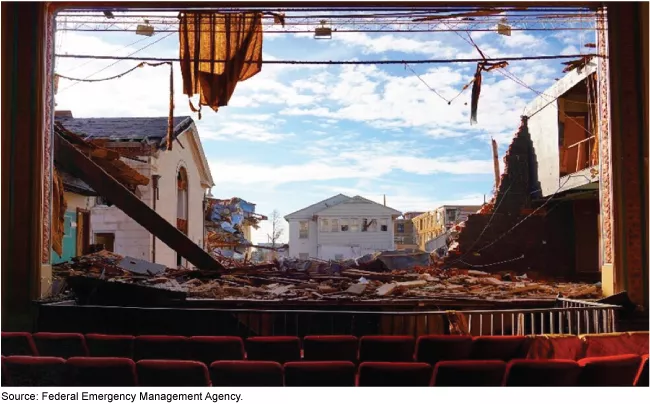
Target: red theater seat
(18, 343)
(386, 348)
(619, 370)
(330, 348)
(274, 349)
(5, 374)
(172, 373)
(554, 347)
(62, 345)
(35, 371)
(161, 347)
(113, 346)
(320, 374)
(539, 373)
(246, 374)
(469, 373)
(210, 349)
(434, 348)
(101, 372)
(502, 347)
(633, 343)
(394, 374)
(642, 378)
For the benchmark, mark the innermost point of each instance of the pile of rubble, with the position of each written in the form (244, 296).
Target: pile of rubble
(309, 280)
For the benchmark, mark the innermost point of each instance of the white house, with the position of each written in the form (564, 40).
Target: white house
(179, 179)
(340, 228)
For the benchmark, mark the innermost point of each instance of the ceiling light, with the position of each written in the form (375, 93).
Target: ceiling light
(323, 32)
(146, 29)
(503, 28)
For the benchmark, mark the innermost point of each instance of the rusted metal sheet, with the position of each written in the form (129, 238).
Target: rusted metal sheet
(77, 163)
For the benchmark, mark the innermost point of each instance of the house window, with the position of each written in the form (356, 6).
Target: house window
(354, 225)
(303, 256)
(344, 225)
(383, 224)
(369, 225)
(335, 224)
(182, 208)
(324, 225)
(451, 216)
(107, 241)
(400, 227)
(304, 229)
(338, 257)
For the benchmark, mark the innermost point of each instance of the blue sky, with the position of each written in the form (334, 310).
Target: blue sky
(294, 135)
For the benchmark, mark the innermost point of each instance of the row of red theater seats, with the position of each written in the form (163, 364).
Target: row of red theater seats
(622, 370)
(428, 349)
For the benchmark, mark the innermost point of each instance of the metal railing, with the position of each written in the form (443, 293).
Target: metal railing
(566, 317)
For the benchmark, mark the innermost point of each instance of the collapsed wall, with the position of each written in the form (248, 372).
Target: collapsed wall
(508, 234)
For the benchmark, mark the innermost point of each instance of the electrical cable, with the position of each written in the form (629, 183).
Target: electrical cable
(329, 62)
(406, 65)
(114, 63)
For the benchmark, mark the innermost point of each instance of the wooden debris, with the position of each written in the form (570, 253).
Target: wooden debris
(357, 289)
(387, 289)
(268, 281)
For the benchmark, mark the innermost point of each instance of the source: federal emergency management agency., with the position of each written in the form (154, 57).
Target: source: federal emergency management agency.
(142, 396)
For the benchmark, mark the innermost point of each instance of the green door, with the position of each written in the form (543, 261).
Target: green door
(69, 239)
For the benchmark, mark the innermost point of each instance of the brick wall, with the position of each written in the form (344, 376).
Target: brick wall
(542, 244)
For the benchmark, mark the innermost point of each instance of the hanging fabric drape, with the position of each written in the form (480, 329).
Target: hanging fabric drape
(233, 44)
(59, 206)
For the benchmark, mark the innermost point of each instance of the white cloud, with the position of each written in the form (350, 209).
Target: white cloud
(377, 44)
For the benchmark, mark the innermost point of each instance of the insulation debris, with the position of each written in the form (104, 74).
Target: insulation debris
(226, 220)
(312, 280)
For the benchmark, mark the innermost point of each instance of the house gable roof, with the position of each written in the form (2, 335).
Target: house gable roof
(125, 129)
(311, 210)
(359, 200)
(199, 156)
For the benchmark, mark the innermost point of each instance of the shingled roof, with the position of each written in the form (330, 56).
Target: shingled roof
(125, 129)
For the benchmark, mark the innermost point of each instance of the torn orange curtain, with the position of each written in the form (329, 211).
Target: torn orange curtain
(216, 52)
(59, 207)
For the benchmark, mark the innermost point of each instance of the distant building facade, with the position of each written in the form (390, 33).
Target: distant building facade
(405, 234)
(432, 224)
(341, 227)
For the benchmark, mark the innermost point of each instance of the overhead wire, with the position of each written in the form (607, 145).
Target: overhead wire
(118, 60)
(406, 65)
(330, 62)
(122, 48)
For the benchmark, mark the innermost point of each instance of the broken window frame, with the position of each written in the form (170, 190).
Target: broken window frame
(303, 229)
(383, 225)
(345, 227)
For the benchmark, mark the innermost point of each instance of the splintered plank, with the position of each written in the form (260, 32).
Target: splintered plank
(75, 162)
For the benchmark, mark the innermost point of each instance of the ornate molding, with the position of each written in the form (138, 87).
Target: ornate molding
(605, 168)
(47, 137)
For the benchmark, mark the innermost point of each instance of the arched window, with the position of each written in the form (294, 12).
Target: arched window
(182, 203)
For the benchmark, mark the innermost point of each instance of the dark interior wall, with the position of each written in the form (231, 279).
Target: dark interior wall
(23, 47)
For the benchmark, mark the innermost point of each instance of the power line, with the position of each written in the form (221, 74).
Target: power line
(117, 60)
(122, 48)
(425, 83)
(117, 76)
(333, 62)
